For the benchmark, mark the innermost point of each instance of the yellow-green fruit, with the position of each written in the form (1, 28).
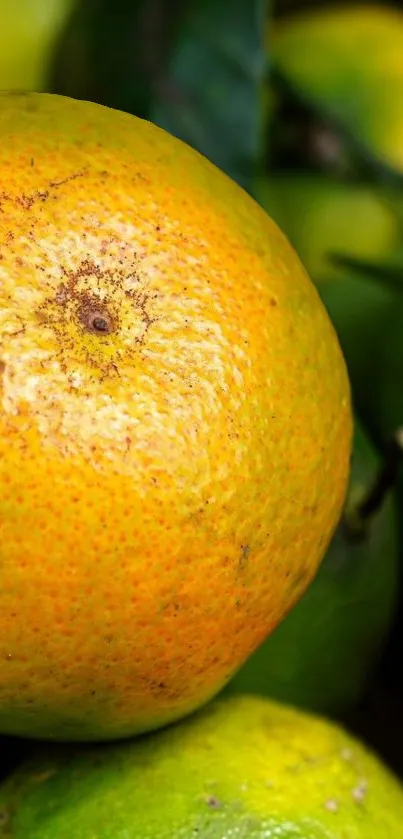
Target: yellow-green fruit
(244, 768)
(347, 62)
(324, 217)
(29, 30)
(175, 423)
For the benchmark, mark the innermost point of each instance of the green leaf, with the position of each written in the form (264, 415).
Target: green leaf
(366, 309)
(381, 401)
(359, 308)
(347, 63)
(196, 69)
(387, 272)
(218, 66)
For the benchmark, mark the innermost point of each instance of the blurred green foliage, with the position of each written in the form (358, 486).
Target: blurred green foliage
(195, 68)
(345, 63)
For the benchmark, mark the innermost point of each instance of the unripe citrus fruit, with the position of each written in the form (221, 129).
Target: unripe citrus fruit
(340, 59)
(324, 218)
(29, 35)
(174, 430)
(244, 768)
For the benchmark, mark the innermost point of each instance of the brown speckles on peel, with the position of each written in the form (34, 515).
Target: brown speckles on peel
(27, 200)
(55, 184)
(106, 304)
(143, 369)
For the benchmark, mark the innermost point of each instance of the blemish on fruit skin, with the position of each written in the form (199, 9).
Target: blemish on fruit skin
(90, 298)
(27, 200)
(44, 776)
(95, 317)
(244, 556)
(213, 802)
(55, 184)
(360, 791)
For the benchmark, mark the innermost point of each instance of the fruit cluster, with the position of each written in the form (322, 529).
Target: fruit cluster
(200, 447)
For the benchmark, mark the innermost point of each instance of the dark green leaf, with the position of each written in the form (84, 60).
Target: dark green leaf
(388, 272)
(197, 69)
(217, 68)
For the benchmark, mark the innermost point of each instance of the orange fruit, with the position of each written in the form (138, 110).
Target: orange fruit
(175, 423)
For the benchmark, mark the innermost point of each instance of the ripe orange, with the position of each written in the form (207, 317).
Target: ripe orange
(174, 430)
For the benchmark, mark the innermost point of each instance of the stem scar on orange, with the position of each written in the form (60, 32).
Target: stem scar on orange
(175, 423)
